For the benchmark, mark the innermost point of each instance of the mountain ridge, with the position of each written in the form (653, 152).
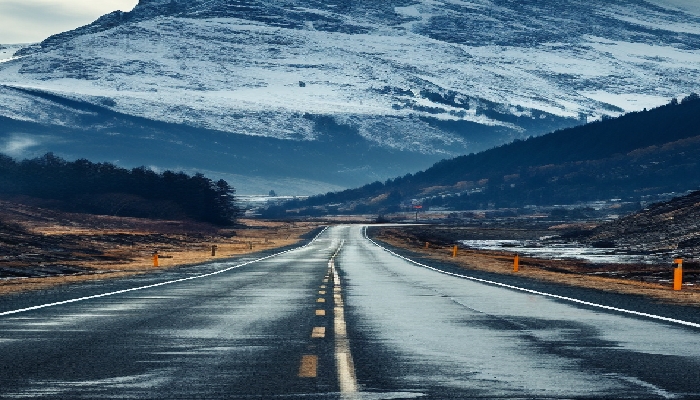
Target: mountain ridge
(427, 79)
(639, 155)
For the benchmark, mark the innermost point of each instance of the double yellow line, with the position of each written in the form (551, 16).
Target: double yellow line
(343, 357)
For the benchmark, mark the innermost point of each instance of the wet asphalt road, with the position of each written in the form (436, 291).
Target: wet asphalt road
(339, 319)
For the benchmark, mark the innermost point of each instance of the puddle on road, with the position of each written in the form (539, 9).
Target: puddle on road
(385, 395)
(47, 388)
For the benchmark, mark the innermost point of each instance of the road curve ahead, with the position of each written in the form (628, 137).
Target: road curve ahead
(340, 318)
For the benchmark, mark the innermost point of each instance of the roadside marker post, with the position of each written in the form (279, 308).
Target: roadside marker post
(516, 264)
(155, 259)
(213, 250)
(454, 251)
(678, 274)
(427, 244)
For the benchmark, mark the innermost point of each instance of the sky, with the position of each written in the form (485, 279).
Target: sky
(29, 21)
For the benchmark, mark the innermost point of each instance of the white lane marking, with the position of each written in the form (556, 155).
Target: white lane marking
(58, 303)
(343, 358)
(555, 296)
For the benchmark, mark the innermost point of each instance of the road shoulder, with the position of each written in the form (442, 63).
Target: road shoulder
(644, 298)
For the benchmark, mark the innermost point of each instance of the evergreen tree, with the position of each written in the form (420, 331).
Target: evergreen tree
(103, 188)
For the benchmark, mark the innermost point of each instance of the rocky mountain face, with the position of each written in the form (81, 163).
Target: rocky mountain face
(308, 96)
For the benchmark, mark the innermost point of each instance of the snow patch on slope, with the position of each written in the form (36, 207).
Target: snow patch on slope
(691, 6)
(7, 51)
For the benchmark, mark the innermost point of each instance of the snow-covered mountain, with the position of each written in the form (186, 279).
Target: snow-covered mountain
(387, 87)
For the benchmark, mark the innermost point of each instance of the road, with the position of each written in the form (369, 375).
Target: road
(341, 318)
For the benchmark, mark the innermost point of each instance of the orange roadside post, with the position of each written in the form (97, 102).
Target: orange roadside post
(155, 259)
(678, 274)
(454, 252)
(516, 264)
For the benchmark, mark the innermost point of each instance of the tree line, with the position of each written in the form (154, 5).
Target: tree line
(104, 188)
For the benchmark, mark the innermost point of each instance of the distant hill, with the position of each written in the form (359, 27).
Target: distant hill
(636, 155)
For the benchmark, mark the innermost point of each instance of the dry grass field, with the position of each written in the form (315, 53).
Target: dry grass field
(40, 247)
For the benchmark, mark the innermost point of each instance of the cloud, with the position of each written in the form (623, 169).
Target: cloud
(28, 21)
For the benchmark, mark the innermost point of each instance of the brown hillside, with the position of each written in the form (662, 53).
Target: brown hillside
(673, 225)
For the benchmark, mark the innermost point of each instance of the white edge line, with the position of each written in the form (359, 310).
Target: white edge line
(555, 296)
(2, 314)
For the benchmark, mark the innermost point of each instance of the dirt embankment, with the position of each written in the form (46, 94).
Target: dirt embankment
(647, 280)
(40, 248)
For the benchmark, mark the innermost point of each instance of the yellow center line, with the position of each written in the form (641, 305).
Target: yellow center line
(308, 367)
(319, 332)
(343, 357)
(309, 363)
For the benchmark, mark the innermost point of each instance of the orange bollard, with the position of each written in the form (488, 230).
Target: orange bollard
(678, 274)
(427, 244)
(155, 259)
(677, 278)
(454, 252)
(516, 264)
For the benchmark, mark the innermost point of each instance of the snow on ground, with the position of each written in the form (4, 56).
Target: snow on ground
(7, 51)
(564, 251)
(692, 6)
(627, 101)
